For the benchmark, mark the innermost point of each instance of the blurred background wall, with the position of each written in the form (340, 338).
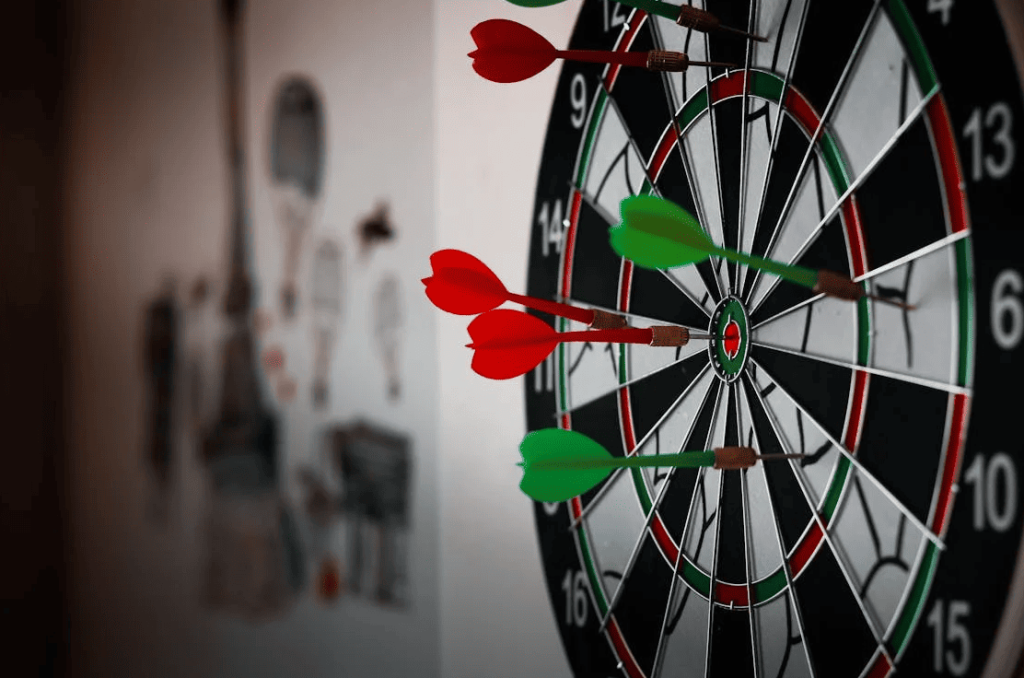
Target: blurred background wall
(117, 191)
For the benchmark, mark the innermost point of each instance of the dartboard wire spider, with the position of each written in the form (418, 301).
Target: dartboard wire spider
(676, 578)
(837, 552)
(612, 221)
(625, 384)
(885, 268)
(882, 154)
(653, 511)
(722, 392)
(952, 389)
(778, 122)
(854, 461)
(584, 510)
(681, 141)
(747, 527)
(718, 167)
(645, 164)
(744, 143)
(837, 92)
(793, 599)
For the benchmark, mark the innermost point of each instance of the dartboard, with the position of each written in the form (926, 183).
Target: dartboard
(874, 139)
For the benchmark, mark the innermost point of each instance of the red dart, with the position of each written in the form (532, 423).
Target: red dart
(464, 285)
(509, 52)
(511, 343)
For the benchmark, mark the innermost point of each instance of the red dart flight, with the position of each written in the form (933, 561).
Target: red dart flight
(464, 285)
(511, 343)
(509, 52)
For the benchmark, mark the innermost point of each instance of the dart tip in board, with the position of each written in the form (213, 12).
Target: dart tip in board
(736, 31)
(892, 302)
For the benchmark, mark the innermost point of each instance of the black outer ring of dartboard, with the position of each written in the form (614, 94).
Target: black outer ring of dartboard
(981, 568)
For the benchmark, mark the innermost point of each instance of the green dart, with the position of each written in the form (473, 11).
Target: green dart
(685, 15)
(559, 464)
(656, 233)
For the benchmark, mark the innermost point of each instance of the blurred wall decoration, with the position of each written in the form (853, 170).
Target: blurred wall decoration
(163, 321)
(387, 332)
(297, 166)
(375, 466)
(376, 229)
(359, 502)
(254, 562)
(326, 303)
(199, 152)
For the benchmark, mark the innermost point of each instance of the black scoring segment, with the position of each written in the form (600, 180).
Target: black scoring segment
(653, 295)
(805, 380)
(732, 557)
(901, 443)
(724, 46)
(827, 252)
(790, 506)
(678, 497)
(640, 97)
(731, 649)
(832, 29)
(599, 420)
(652, 397)
(838, 637)
(900, 203)
(597, 280)
(641, 607)
(789, 153)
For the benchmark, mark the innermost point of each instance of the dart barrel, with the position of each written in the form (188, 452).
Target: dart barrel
(603, 320)
(734, 458)
(836, 285)
(669, 335)
(663, 60)
(697, 19)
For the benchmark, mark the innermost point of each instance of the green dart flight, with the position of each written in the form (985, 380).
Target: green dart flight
(559, 464)
(656, 233)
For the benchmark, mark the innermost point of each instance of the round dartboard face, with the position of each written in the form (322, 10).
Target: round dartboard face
(877, 140)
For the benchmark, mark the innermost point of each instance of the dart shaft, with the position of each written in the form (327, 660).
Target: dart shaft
(580, 315)
(637, 59)
(797, 274)
(678, 460)
(629, 335)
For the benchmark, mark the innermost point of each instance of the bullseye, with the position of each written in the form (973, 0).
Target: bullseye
(729, 351)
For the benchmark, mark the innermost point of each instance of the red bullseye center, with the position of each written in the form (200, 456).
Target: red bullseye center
(731, 339)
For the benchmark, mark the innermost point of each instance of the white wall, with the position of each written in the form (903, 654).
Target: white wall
(497, 620)
(147, 194)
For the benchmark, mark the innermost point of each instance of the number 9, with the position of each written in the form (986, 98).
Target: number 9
(578, 97)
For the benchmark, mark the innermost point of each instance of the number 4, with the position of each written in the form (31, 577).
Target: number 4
(943, 7)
